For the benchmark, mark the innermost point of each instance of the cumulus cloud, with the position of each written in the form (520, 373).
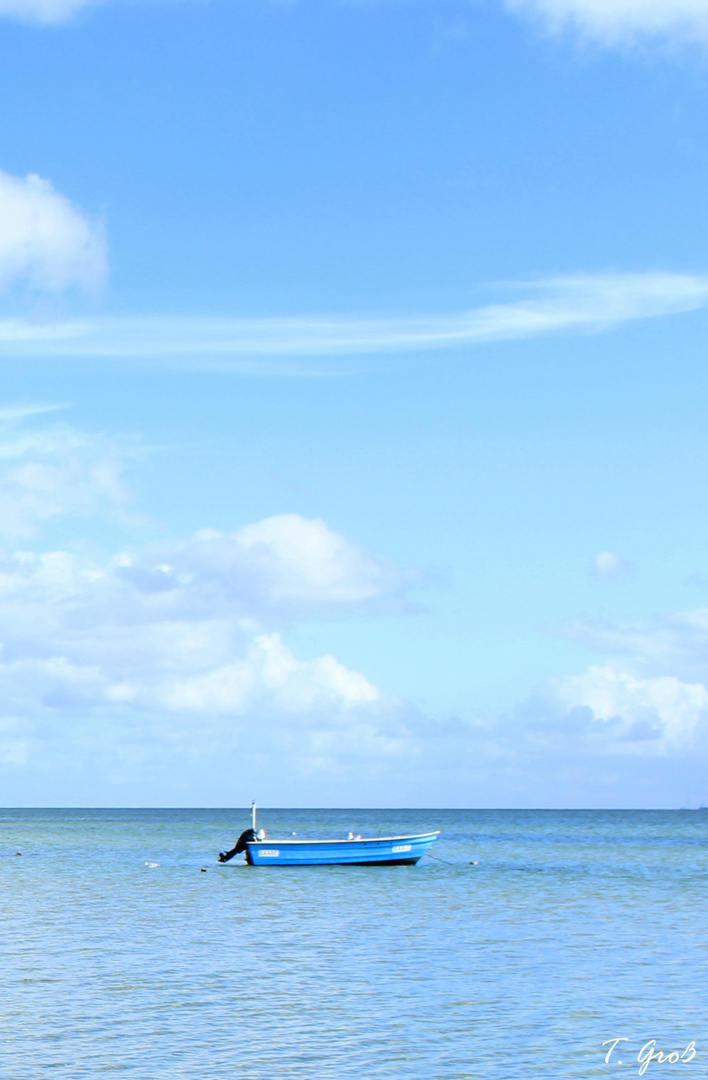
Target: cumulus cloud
(46, 242)
(656, 716)
(214, 588)
(175, 647)
(647, 699)
(631, 730)
(97, 669)
(168, 663)
(619, 21)
(174, 657)
(183, 639)
(582, 303)
(270, 671)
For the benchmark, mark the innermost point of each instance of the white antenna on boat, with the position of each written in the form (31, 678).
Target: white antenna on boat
(254, 815)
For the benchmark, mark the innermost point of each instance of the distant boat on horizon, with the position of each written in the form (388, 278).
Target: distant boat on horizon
(354, 851)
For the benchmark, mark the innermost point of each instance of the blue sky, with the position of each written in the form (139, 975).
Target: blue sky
(353, 439)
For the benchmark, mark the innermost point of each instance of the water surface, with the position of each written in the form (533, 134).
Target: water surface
(574, 928)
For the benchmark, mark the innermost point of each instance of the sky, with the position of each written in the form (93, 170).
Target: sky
(353, 442)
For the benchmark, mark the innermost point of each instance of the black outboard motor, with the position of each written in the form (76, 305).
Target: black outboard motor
(246, 837)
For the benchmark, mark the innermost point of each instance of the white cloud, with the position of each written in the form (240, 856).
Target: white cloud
(205, 595)
(629, 731)
(656, 716)
(191, 624)
(608, 564)
(617, 21)
(306, 561)
(111, 676)
(674, 644)
(579, 304)
(607, 20)
(55, 471)
(647, 699)
(173, 657)
(42, 11)
(270, 671)
(166, 669)
(285, 567)
(45, 241)
(182, 640)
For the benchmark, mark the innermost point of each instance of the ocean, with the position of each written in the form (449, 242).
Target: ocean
(123, 958)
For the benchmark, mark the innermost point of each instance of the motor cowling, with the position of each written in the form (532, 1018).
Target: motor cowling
(246, 837)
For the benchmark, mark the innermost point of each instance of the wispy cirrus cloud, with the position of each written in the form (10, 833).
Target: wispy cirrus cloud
(582, 303)
(615, 22)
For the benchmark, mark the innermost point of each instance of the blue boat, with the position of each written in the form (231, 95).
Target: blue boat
(355, 851)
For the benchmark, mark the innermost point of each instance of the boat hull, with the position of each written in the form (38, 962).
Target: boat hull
(386, 851)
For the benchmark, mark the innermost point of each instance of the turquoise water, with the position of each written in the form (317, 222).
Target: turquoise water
(575, 928)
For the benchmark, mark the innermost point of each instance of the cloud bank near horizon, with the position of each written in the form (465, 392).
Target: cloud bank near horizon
(574, 304)
(166, 665)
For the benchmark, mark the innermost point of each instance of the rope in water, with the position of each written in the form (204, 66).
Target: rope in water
(438, 859)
